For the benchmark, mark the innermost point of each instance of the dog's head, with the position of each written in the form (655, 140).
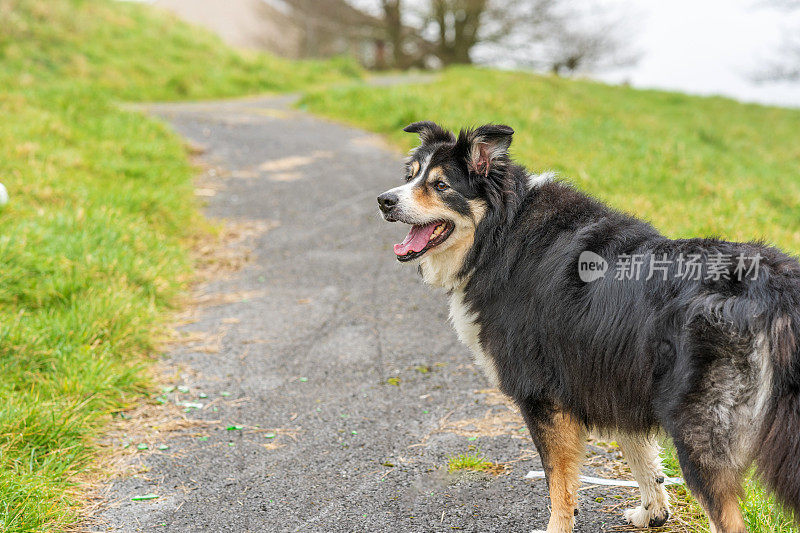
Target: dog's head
(450, 185)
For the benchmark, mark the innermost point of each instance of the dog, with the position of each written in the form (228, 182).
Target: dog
(711, 359)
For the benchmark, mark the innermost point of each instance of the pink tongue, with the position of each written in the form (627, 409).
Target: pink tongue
(416, 239)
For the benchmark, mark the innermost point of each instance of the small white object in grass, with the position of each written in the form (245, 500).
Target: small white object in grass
(3, 195)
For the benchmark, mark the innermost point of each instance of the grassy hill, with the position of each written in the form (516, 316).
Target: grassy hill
(132, 52)
(693, 166)
(93, 246)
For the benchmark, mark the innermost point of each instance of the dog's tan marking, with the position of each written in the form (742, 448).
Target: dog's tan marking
(427, 190)
(564, 442)
(478, 209)
(425, 201)
(728, 486)
(436, 174)
(730, 517)
(441, 265)
(725, 517)
(414, 168)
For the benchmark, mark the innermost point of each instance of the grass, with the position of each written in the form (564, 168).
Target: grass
(691, 165)
(134, 53)
(761, 512)
(94, 239)
(472, 461)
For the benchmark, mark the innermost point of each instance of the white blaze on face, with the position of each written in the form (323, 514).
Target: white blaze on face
(405, 196)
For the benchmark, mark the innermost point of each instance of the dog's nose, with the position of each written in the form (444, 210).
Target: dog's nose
(387, 201)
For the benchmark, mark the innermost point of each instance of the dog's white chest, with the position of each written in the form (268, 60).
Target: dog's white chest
(468, 331)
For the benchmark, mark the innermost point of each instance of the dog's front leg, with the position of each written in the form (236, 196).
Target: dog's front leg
(642, 453)
(560, 440)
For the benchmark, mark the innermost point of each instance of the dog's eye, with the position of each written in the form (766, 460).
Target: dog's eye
(408, 177)
(440, 186)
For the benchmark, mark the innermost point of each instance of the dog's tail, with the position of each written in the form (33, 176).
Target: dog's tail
(778, 453)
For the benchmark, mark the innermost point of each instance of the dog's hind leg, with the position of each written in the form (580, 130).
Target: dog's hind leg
(560, 440)
(642, 453)
(715, 423)
(716, 487)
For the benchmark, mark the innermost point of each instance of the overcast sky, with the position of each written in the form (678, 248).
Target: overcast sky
(709, 47)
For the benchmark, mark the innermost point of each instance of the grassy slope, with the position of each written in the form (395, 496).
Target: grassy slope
(693, 166)
(92, 244)
(131, 52)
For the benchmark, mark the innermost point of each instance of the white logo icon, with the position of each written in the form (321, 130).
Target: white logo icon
(591, 267)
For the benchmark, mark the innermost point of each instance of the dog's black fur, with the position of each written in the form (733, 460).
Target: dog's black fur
(625, 355)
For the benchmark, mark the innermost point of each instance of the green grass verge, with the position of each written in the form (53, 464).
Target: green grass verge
(92, 254)
(693, 166)
(93, 244)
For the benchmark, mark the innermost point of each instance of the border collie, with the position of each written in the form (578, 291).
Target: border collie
(591, 320)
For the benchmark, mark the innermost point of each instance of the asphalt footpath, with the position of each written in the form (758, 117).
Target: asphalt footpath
(330, 392)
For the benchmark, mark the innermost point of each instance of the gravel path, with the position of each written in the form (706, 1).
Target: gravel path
(326, 341)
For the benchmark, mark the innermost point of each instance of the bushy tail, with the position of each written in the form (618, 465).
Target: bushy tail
(778, 458)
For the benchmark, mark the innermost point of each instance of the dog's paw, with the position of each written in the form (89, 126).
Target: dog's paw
(641, 517)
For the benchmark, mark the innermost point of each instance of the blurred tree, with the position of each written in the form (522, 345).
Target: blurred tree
(557, 35)
(392, 16)
(787, 66)
(332, 27)
(570, 40)
(457, 23)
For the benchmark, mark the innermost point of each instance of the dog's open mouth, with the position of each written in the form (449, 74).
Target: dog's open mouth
(420, 239)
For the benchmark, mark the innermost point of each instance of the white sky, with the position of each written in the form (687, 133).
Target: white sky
(709, 47)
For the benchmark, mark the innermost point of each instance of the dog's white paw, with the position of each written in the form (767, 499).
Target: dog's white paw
(638, 517)
(641, 517)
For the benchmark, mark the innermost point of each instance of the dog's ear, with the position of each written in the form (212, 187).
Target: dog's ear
(487, 147)
(430, 132)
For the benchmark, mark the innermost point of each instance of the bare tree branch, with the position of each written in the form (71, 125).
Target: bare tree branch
(562, 37)
(782, 4)
(786, 67)
(558, 35)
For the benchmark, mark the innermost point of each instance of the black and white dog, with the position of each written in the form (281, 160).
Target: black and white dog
(698, 337)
